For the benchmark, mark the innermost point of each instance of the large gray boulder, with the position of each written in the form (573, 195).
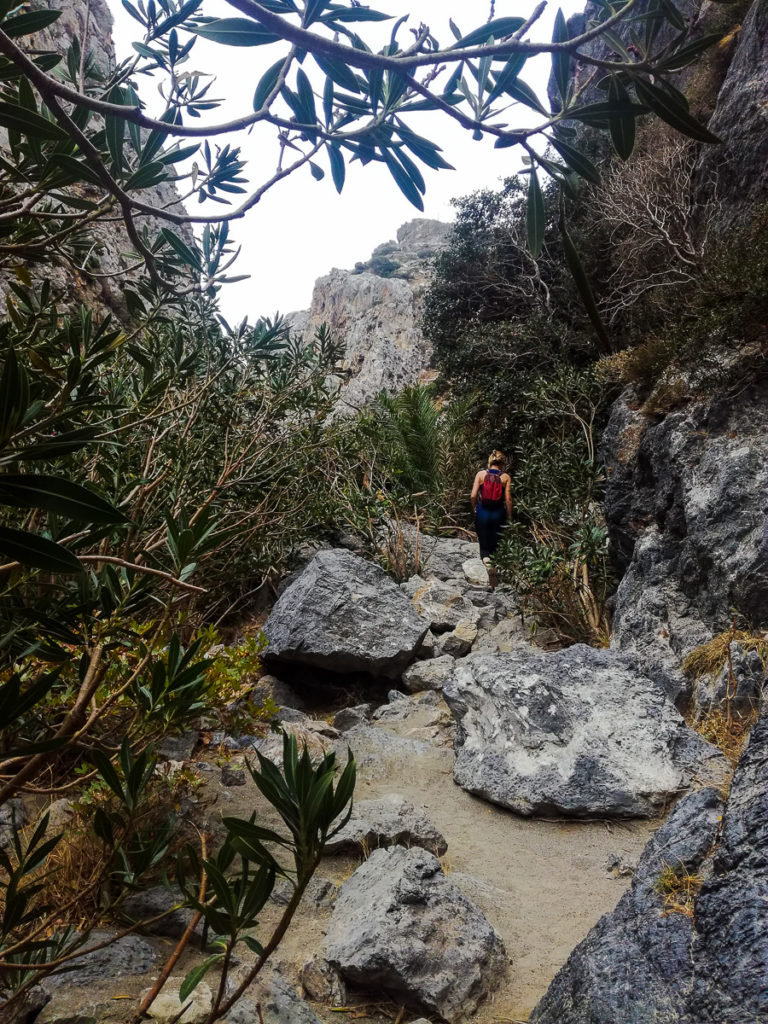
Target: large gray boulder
(709, 965)
(387, 821)
(344, 614)
(580, 732)
(401, 925)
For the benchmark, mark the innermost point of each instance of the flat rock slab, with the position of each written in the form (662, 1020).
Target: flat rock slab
(579, 732)
(401, 925)
(344, 614)
(386, 822)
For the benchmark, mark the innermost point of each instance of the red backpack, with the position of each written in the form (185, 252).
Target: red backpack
(492, 489)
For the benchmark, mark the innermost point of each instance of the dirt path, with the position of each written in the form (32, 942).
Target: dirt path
(542, 884)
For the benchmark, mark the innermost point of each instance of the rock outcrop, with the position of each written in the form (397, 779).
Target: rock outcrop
(740, 166)
(635, 964)
(401, 925)
(374, 311)
(703, 960)
(344, 614)
(580, 732)
(685, 506)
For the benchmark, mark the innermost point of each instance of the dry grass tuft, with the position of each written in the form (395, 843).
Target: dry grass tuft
(679, 889)
(730, 734)
(711, 657)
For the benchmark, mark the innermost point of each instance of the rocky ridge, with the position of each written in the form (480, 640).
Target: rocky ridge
(374, 311)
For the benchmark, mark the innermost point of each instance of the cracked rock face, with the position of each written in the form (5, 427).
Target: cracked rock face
(685, 505)
(741, 121)
(401, 925)
(375, 310)
(580, 732)
(635, 964)
(642, 963)
(344, 614)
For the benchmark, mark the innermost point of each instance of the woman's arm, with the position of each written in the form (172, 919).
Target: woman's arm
(476, 488)
(508, 496)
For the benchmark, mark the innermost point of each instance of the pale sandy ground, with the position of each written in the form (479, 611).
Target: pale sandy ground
(541, 884)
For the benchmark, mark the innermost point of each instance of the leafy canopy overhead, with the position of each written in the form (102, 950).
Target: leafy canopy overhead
(81, 133)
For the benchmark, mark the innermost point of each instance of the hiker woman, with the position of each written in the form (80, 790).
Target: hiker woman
(492, 504)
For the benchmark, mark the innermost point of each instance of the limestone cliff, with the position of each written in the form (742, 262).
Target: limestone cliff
(374, 310)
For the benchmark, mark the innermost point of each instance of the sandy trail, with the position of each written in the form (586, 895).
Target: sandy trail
(542, 884)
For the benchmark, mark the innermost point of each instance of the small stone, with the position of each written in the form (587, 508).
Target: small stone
(457, 643)
(428, 675)
(475, 571)
(384, 822)
(167, 1005)
(143, 906)
(322, 982)
(232, 775)
(178, 748)
(443, 605)
(272, 1000)
(427, 649)
(347, 718)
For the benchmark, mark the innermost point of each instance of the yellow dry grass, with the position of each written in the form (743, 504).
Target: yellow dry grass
(679, 889)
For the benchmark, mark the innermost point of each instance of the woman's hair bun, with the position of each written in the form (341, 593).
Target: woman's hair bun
(496, 458)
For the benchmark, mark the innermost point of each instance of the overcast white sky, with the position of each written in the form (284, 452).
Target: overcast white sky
(303, 228)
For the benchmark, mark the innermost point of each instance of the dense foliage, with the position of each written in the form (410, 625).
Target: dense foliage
(157, 468)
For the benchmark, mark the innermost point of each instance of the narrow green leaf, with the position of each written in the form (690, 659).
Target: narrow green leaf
(26, 24)
(338, 168)
(497, 29)
(687, 54)
(673, 112)
(579, 275)
(576, 160)
(403, 180)
(180, 247)
(195, 976)
(235, 32)
(561, 60)
(673, 15)
(267, 83)
(76, 170)
(621, 127)
(35, 490)
(37, 552)
(338, 72)
(507, 76)
(351, 14)
(26, 123)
